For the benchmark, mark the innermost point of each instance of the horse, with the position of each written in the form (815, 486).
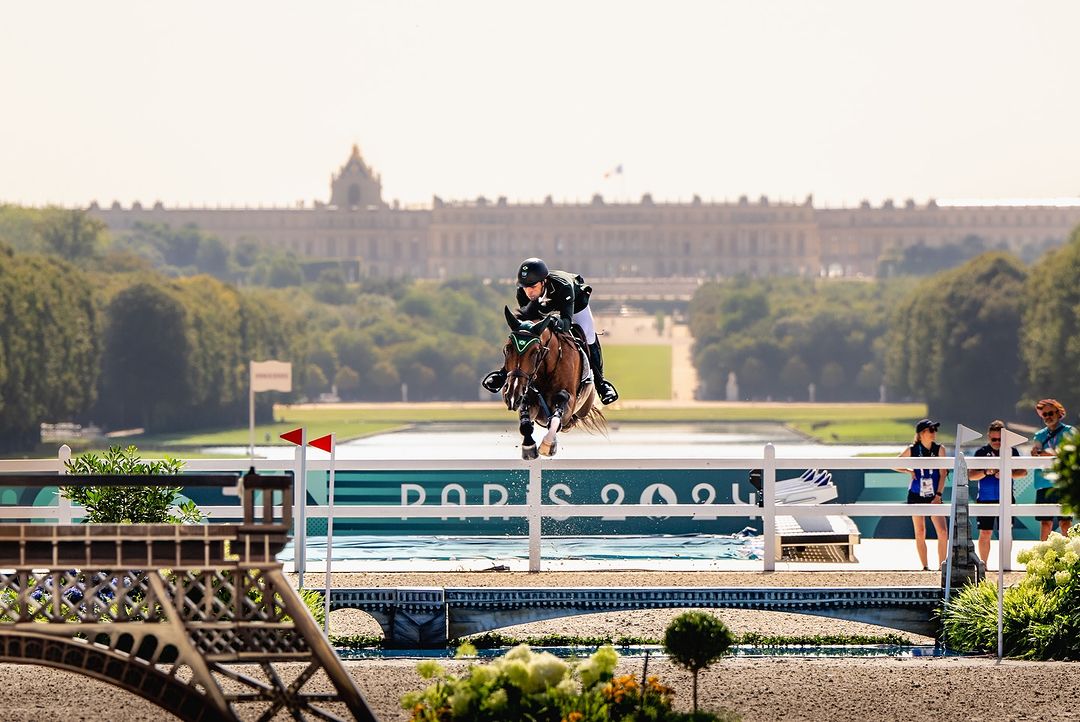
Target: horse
(548, 382)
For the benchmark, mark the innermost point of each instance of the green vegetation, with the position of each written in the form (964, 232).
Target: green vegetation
(979, 341)
(953, 341)
(50, 346)
(498, 640)
(129, 504)
(695, 640)
(130, 337)
(1066, 472)
(640, 372)
(528, 686)
(780, 335)
(1050, 328)
(1041, 614)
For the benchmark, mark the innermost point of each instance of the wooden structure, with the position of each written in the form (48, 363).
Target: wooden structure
(198, 619)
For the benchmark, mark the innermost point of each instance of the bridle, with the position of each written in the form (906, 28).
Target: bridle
(530, 378)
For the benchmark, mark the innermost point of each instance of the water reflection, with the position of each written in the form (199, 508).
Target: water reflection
(623, 441)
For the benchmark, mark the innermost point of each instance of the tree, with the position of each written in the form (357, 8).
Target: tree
(347, 383)
(955, 340)
(147, 356)
(794, 330)
(330, 288)
(795, 377)
(50, 346)
(695, 640)
(314, 381)
(1050, 337)
(71, 234)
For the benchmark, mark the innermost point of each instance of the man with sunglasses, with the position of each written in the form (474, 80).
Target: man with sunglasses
(1047, 440)
(565, 296)
(989, 491)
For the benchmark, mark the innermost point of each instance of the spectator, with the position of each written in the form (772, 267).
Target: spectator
(927, 487)
(1046, 442)
(989, 490)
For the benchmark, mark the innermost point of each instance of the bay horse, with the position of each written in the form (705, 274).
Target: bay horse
(548, 381)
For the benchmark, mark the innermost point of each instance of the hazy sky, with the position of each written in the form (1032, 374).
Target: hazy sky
(258, 102)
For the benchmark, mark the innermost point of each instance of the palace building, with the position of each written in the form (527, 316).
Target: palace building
(646, 239)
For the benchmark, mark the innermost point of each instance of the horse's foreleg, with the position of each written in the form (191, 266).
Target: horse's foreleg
(550, 444)
(525, 426)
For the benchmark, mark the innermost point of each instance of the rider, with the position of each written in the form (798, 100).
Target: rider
(541, 292)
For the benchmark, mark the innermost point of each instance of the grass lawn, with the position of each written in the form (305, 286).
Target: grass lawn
(639, 372)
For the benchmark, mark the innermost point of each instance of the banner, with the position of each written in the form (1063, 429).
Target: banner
(271, 376)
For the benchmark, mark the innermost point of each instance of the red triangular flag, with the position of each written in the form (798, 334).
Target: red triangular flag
(296, 436)
(323, 442)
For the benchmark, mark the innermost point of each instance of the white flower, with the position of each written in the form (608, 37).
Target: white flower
(460, 701)
(517, 672)
(483, 674)
(1057, 542)
(545, 670)
(522, 652)
(569, 687)
(1063, 577)
(495, 701)
(600, 664)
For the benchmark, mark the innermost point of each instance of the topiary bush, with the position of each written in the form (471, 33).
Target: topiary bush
(695, 640)
(1040, 615)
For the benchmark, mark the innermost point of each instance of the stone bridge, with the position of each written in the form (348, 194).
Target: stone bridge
(430, 616)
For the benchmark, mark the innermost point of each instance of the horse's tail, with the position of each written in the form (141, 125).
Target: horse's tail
(594, 422)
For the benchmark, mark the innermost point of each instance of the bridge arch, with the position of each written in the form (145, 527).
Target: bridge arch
(130, 673)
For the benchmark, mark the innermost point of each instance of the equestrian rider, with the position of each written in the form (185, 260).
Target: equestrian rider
(541, 292)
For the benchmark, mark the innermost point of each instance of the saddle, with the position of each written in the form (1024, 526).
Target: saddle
(583, 353)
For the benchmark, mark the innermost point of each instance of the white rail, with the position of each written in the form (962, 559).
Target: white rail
(534, 511)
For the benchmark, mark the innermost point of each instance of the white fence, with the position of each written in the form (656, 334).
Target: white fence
(534, 510)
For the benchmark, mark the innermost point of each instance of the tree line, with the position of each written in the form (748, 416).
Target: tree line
(108, 339)
(980, 341)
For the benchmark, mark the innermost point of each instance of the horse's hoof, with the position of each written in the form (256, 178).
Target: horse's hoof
(549, 449)
(528, 452)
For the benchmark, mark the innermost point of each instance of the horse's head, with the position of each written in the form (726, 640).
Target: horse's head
(525, 350)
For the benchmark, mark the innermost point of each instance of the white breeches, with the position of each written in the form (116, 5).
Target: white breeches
(584, 319)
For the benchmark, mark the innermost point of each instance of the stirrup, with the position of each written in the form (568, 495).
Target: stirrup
(494, 381)
(608, 394)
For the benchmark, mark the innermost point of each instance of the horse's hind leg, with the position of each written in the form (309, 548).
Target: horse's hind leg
(550, 443)
(525, 426)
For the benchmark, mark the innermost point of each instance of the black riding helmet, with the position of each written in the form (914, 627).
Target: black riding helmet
(532, 271)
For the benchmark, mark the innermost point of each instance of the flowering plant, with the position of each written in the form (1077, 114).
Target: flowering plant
(538, 686)
(1040, 615)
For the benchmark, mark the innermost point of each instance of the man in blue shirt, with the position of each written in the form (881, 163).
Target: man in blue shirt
(989, 490)
(1046, 443)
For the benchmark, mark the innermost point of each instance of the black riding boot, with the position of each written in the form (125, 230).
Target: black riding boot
(494, 381)
(605, 389)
